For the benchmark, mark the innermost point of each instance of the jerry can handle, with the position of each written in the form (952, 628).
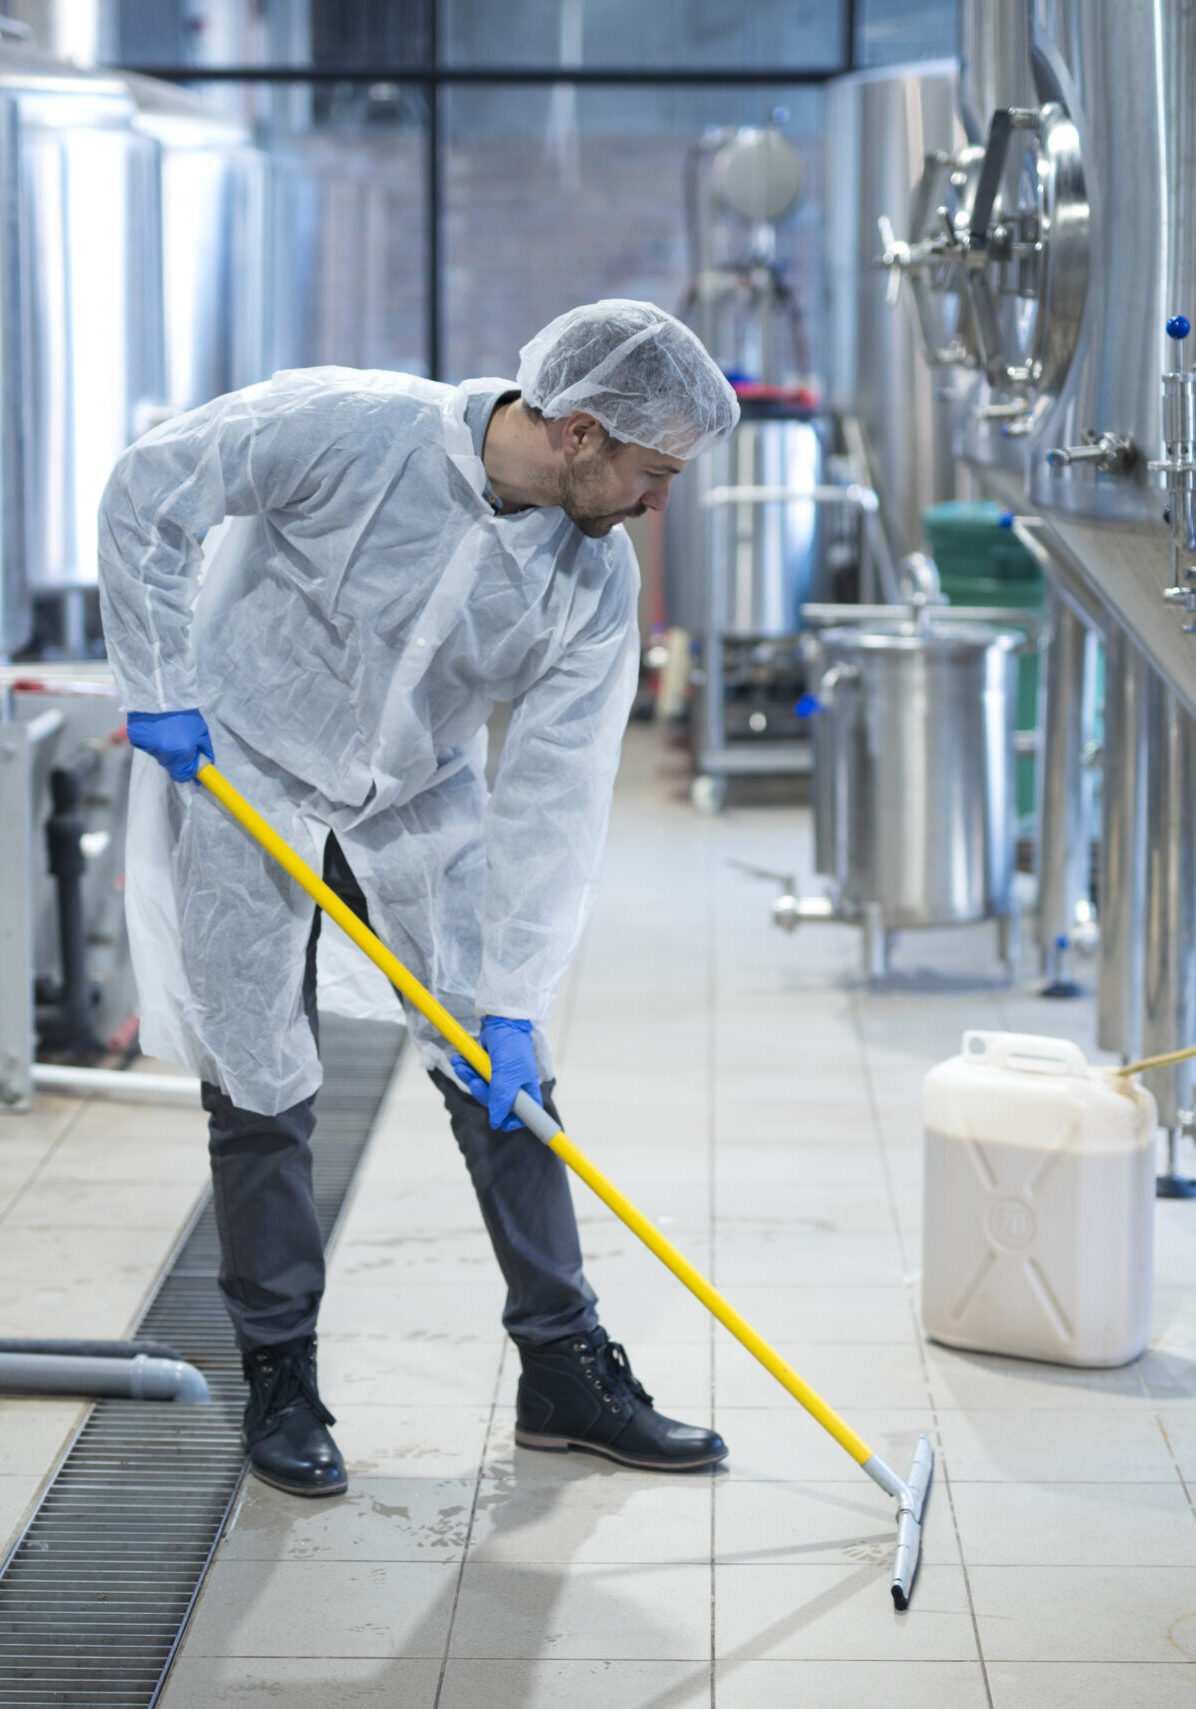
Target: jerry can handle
(1025, 1053)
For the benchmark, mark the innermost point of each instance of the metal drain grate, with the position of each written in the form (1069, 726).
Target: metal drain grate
(96, 1595)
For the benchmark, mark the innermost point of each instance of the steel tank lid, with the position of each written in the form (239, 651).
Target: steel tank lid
(906, 635)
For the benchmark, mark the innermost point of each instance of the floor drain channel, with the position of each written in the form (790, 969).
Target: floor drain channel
(96, 1595)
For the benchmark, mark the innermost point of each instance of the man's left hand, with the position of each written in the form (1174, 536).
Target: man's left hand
(513, 1069)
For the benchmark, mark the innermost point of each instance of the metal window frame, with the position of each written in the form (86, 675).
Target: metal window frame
(432, 77)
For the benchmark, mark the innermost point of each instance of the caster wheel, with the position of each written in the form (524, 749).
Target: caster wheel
(708, 794)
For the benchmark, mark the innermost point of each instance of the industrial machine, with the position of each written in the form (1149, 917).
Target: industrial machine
(751, 535)
(64, 777)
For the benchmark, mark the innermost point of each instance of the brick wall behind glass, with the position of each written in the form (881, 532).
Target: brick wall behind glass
(530, 232)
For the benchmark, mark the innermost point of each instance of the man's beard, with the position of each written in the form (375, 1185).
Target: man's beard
(578, 498)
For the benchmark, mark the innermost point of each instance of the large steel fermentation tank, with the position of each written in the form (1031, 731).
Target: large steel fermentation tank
(211, 194)
(87, 219)
(128, 291)
(914, 805)
(1125, 71)
(880, 126)
(80, 320)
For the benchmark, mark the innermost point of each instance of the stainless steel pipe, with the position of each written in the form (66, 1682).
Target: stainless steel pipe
(1123, 849)
(1063, 871)
(1169, 973)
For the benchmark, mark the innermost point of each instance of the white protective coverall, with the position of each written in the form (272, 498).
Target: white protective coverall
(345, 641)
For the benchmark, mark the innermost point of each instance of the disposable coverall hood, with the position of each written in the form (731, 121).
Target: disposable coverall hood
(345, 634)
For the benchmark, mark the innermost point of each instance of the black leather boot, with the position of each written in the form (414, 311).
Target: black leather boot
(580, 1393)
(286, 1423)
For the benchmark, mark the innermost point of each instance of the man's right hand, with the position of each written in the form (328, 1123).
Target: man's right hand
(177, 740)
(508, 1043)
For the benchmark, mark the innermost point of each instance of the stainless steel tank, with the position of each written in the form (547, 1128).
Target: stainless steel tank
(994, 61)
(211, 186)
(1169, 993)
(995, 73)
(87, 224)
(880, 126)
(914, 805)
(1064, 805)
(16, 608)
(1125, 70)
(760, 561)
(1122, 886)
(996, 248)
(343, 267)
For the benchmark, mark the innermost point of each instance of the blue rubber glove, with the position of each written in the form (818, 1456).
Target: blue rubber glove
(175, 739)
(513, 1069)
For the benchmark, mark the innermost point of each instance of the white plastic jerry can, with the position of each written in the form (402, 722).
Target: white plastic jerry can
(1039, 1201)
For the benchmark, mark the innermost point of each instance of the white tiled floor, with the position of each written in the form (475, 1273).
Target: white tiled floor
(765, 1111)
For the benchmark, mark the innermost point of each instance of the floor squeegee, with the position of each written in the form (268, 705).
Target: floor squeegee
(909, 1493)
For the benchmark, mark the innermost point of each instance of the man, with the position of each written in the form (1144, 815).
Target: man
(398, 556)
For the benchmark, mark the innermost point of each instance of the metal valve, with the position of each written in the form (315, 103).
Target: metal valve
(1008, 409)
(1111, 453)
(1177, 465)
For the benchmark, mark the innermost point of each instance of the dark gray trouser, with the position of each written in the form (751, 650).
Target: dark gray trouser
(272, 1257)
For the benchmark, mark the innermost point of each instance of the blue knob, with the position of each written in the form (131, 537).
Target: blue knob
(1061, 942)
(1179, 326)
(808, 705)
(1005, 520)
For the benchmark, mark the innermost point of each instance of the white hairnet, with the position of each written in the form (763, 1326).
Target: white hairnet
(646, 377)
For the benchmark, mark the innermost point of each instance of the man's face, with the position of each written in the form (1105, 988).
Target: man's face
(605, 482)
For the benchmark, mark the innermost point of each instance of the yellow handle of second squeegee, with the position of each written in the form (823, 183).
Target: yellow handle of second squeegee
(627, 1212)
(1167, 1060)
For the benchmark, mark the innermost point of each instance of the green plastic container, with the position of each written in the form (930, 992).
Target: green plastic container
(967, 540)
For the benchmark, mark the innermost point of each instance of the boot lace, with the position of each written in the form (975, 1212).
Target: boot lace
(616, 1368)
(289, 1381)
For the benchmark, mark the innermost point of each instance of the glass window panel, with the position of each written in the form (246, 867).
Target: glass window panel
(354, 34)
(899, 32)
(341, 236)
(557, 196)
(668, 34)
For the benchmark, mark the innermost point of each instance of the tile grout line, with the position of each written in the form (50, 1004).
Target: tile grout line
(43, 1163)
(940, 1469)
(473, 1513)
(1183, 1482)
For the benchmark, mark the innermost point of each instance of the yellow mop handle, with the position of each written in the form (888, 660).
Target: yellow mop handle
(564, 1147)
